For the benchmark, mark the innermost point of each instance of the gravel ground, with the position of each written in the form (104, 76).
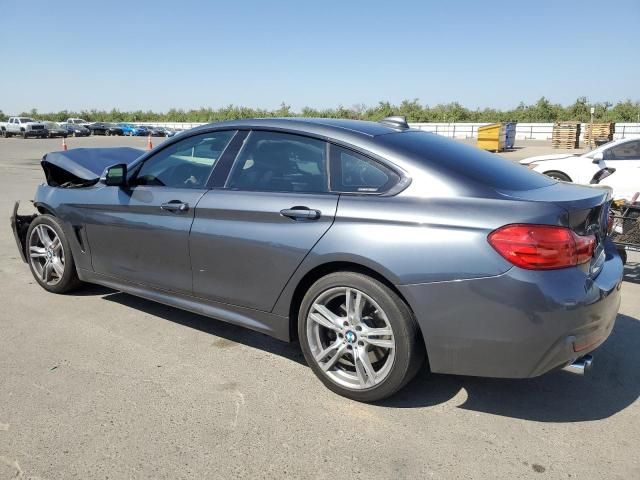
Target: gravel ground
(102, 384)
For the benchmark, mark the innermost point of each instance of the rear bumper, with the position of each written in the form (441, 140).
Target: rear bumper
(519, 324)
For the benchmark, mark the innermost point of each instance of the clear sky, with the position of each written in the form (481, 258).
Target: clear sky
(188, 54)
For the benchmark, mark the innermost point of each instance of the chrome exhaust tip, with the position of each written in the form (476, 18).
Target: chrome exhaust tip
(580, 365)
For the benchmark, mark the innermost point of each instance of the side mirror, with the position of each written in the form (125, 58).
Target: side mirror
(598, 157)
(116, 175)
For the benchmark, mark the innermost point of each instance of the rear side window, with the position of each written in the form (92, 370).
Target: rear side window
(352, 172)
(280, 162)
(448, 157)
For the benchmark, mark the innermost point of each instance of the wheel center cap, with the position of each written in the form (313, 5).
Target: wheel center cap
(49, 254)
(350, 336)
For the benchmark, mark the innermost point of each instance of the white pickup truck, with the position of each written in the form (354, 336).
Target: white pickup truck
(23, 126)
(76, 121)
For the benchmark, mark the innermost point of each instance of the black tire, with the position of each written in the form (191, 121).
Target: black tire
(107, 133)
(558, 175)
(5, 134)
(409, 348)
(69, 280)
(74, 134)
(24, 134)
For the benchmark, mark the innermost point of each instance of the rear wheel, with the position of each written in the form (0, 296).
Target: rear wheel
(558, 175)
(359, 337)
(24, 134)
(49, 255)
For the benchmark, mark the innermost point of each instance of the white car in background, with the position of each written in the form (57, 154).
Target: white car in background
(621, 155)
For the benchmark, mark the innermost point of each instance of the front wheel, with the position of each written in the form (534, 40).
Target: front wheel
(107, 133)
(49, 254)
(359, 337)
(24, 134)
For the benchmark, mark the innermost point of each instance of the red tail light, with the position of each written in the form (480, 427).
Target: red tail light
(542, 247)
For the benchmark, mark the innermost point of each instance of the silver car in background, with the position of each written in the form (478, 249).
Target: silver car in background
(382, 249)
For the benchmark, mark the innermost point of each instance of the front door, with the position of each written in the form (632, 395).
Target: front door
(141, 233)
(625, 159)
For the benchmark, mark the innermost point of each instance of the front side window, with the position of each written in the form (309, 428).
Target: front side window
(280, 162)
(185, 164)
(624, 151)
(352, 172)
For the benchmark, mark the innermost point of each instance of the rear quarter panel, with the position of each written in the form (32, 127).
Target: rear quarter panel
(410, 240)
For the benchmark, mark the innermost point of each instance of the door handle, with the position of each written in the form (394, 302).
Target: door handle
(175, 206)
(301, 213)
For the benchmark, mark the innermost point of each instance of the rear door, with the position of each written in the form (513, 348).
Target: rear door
(250, 235)
(141, 233)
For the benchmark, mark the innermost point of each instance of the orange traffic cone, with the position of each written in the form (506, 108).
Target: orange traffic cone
(149, 144)
(64, 144)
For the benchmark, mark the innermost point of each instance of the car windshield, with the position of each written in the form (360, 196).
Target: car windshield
(26, 119)
(464, 161)
(51, 125)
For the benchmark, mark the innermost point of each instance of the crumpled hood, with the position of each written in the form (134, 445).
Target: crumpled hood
(553, 156)
(83, 166)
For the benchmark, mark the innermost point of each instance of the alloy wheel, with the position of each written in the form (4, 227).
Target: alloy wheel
(350, 338)
(46, 254)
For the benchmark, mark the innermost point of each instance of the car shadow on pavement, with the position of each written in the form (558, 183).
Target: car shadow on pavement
(227, 331)
(612, 385)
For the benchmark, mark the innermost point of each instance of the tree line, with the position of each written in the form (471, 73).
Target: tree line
(541, 111)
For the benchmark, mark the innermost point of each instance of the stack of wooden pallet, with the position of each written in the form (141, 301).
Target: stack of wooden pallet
(602, 132)
(566, 135)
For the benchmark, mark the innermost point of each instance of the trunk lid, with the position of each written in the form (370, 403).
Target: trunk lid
(586, 210)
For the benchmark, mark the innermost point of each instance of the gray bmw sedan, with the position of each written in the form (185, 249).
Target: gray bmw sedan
(381, 249)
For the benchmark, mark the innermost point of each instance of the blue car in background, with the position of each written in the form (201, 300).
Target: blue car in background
(131, 130)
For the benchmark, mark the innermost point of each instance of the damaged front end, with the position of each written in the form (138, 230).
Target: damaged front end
(20, 226)
(76, 168)
(82, 167)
